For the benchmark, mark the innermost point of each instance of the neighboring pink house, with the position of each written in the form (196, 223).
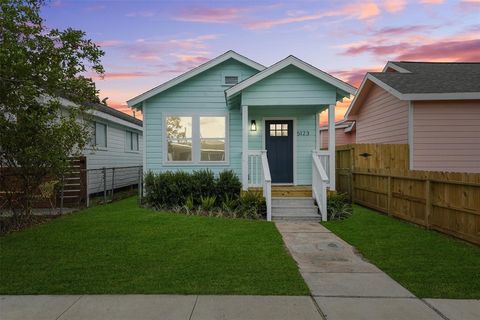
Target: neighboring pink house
(432, 107)
(344, 134)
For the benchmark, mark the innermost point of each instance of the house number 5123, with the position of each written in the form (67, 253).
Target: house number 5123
(303, 133)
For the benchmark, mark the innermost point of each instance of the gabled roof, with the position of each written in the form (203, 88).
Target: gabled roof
(424, 81)
(345, 124)
(189, 74)
(290, 60)
(117, 113)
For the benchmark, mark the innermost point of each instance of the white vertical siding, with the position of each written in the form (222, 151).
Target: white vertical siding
(382, 118)
(446, 136)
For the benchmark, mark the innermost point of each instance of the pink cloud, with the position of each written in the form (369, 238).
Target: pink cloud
(212, 15)
(394, 6)
(460, 47)
(155, 50)
(355, 76)
(109, 43)
(360, 11)
(397, 31)
(469, 4)
(122, 75)
(432, 1)
(450, 50)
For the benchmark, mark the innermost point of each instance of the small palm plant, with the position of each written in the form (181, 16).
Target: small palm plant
(208, 202)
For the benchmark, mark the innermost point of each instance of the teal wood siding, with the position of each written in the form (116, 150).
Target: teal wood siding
(289, 86)
(304, 122)
(201, 94)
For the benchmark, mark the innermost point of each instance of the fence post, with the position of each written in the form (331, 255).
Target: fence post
(428, 203)
(140, 185)
(104, 185)
(87, 195)
(389, 194)
(113, 181)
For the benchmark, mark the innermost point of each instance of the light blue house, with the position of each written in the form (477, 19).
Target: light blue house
(262, 122)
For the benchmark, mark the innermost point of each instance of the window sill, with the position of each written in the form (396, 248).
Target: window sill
(132, 151)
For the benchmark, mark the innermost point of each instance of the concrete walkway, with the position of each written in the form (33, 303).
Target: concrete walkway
(345, 286)
(161, 307)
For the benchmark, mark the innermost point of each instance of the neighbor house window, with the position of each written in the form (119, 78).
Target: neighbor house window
(132, 141)
(212, 138)
(195, 139)
(179, 138)
(100, 135)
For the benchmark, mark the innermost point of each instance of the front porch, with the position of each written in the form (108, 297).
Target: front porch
(280, 108)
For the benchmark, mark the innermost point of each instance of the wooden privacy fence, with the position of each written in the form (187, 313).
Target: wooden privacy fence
(72, 193)
(444, 201)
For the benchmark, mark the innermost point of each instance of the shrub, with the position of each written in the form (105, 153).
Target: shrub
(229, 204)
(252, 205)
(228, 186)
(338, 206)
(202, 183)
(208, 202)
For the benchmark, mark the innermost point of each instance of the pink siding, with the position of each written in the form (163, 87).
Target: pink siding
(341, 137)
(382, 118)
(446, 136)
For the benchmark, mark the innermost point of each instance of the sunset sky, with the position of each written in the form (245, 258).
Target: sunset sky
(149, 42)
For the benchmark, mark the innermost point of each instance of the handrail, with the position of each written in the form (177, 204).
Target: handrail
(267, 184)
(319, 184)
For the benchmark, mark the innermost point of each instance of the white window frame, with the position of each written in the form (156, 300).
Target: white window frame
(95, 135)
(129, 148)
(196, 152)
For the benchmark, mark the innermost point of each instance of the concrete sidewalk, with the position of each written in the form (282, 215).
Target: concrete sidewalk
(345, 286)
(164, 307)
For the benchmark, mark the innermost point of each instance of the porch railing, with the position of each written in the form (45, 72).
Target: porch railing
(259, 176)
(324, 158)
(319, 183)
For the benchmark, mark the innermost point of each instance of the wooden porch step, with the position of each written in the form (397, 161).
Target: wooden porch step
(289, 191)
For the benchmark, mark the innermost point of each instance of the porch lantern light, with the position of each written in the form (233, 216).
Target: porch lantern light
(253, 126)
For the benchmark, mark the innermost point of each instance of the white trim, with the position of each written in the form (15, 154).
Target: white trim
(294, 132)
(195, 138)
(317, 131)
(245, 130)
(331, 145)
(394, 66)
(410, 134)
(411, 96)
(290, 60)
(189, 74)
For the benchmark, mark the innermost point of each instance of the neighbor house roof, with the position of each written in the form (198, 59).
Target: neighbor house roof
(134, 102)
(348, 125)
(290, 60)
(424, 81)
(116, 113)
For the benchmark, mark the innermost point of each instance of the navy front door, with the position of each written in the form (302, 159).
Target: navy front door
(279, 146)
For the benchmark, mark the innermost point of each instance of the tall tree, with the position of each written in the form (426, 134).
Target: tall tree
(40, 68)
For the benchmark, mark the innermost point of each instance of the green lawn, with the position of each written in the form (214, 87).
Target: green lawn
(120, 248)
(429, 264)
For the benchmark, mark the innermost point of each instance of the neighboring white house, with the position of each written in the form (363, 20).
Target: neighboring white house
(118, 144)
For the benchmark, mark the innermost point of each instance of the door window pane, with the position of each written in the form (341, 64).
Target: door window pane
(279, 130)
(100, 135)
(212, 138)
(179, 138)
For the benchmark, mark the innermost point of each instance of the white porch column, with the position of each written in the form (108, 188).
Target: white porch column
(318, 137)
(244, 147)
(331, 144)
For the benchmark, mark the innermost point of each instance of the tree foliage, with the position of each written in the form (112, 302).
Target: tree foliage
(40, 68)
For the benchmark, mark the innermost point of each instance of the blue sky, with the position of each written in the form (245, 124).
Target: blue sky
(149, 42)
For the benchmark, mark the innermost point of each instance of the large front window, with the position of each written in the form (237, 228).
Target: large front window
(196, 139)
(179, 138)
(212, 138)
